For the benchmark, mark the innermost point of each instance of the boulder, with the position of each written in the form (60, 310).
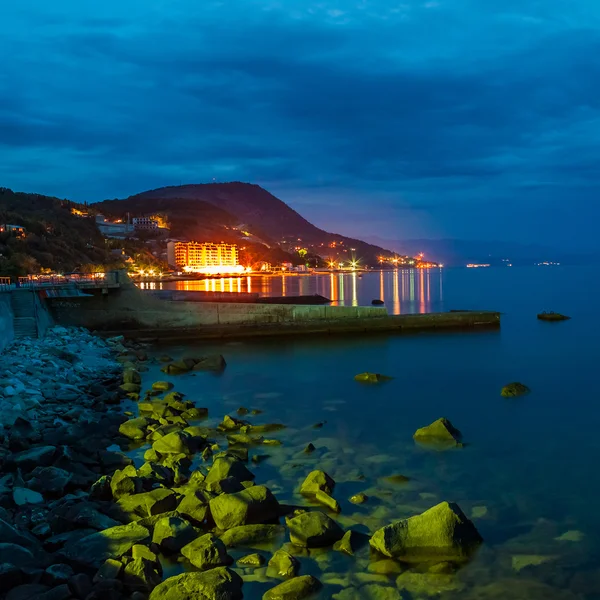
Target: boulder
(11, 535)
(283, 564)
(231, 423)
(131, 388)
(10, 577)
(213, 362)
(40, 456)
(49, 480)
(251, 560)
(125, 482)
(132, 376)
(57, 574)
(80, 586)
(162, 386)
(217, 584)
(146, 504)
(297, 588)
(313, 530)
(442, 533)
(347, 544)
(248, 507)
(440, 432)
(228, 466)
(135, 429)
(512, 390)
(371, 378)
(16, 555)
(175, 442)
(23, 496)
(172, 534)
(142, 575)
(315, 481)
(326, 500)
(207, 552)
(250, 535)
(94, 549)
(194, 507)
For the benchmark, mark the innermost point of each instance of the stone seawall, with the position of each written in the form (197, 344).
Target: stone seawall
(6, 321)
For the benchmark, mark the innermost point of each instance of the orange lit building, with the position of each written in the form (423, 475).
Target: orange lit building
(207, 258)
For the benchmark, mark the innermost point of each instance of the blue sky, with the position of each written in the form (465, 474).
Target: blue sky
(472, 119)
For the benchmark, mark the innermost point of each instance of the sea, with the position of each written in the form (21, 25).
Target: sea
(527, 474)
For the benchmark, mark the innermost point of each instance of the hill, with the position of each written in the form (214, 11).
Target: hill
(207, 211)
(54, 238)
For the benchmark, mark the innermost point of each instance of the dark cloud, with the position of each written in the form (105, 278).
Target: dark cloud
(453, 116)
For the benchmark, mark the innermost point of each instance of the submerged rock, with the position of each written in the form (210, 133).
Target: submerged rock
(326, 500)
(251, 506)
(512, 390)
(297, 588)
(552, 316)
(217, 584)
(251, 560)
(442, 533)
(347, 544)
(228, 466)
(317, 481)
(359, 498)
(249, 535)
(314, 530)
(371, 378)
(212, 362)
(441, 433)
(172, 534)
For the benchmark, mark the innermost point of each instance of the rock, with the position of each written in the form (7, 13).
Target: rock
(217, 584)
(162, 386)
(315, 481)
(228, 466)
(135, 429)
(16, 555)
(347, 544)
(94, 549)
(57, 574)
(512, 390)
(249, 535)
(439, 534)
(40, 456)
(248, 507)
(440, 432)
(396, 479)
(176, 442)
(172, 534)
(125, 482)
(309, 449)
(23, 496)
(359, 498)
(207, 552)
(314, 530)
(110, 569)
(146, 504)
(10, 577)
(251, 560)
(328, 501)
(49, 480)
(552, 316)
(213, 362)
(132, 376)
(141, 574)
(371, 378)
(80, 586)
(131, 388)
(101, 489)
(297, 588)
(28, 591)
(231, 423)
(11, 535)
(194, 507)
(283, 564)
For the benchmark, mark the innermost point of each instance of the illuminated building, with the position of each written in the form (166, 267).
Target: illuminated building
(17, 230)
(196, 257)
(145, 223)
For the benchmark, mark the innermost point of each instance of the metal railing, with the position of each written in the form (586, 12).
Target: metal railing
(36, 281)
(5, 284)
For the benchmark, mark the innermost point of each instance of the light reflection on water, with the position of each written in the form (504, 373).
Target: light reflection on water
(403, 290)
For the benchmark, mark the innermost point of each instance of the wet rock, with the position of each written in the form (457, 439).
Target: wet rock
(348, 543)
(217, 584)
(94, 549)
(101, 489)
(176, 442)
(49, 480)
(231, 423)
(131, 388)
(80, 586)
(213, 362)
(396, 479)
(371, 378)
(251, 560)
(172, 534)
(162, 386)
(40, 456)
(28, 591)
(23, 496)
(194, 506)
(326, 500)
(11, 535)
(146, 504)
(512, 390)
(552, 316)
(314, 530)
(135, 429)
(297, 588)
(248, 507)
(440, 533)
(125, 482)
(315, 481)
(58, 574)
(359, 498)
(207, 552)
(283, 564)
(440, 432)
(16, 555)
(249, 535)
(141, 574)
(132, 376)
(228, 466)
(309, 449)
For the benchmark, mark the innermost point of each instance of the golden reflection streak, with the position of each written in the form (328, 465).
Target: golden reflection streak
(428, 289)
(354, 290)
(412, 286)
(421, 291)
(249, 284)
(342, 290)
(332, 283)
(441, 287)
(381, 286)
(396, 293)
(283, 285)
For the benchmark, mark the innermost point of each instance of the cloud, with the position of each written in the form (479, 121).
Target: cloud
(430, 107)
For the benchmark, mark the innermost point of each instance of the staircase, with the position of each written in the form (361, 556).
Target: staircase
(24, 314)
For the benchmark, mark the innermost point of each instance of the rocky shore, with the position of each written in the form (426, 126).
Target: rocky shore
(81, 522)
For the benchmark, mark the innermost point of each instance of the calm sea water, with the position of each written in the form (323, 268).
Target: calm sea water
(528, 475)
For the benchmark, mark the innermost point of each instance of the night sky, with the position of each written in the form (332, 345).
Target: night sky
(471, 119)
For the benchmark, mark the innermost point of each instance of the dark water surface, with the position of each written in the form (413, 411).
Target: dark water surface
(528, 475)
